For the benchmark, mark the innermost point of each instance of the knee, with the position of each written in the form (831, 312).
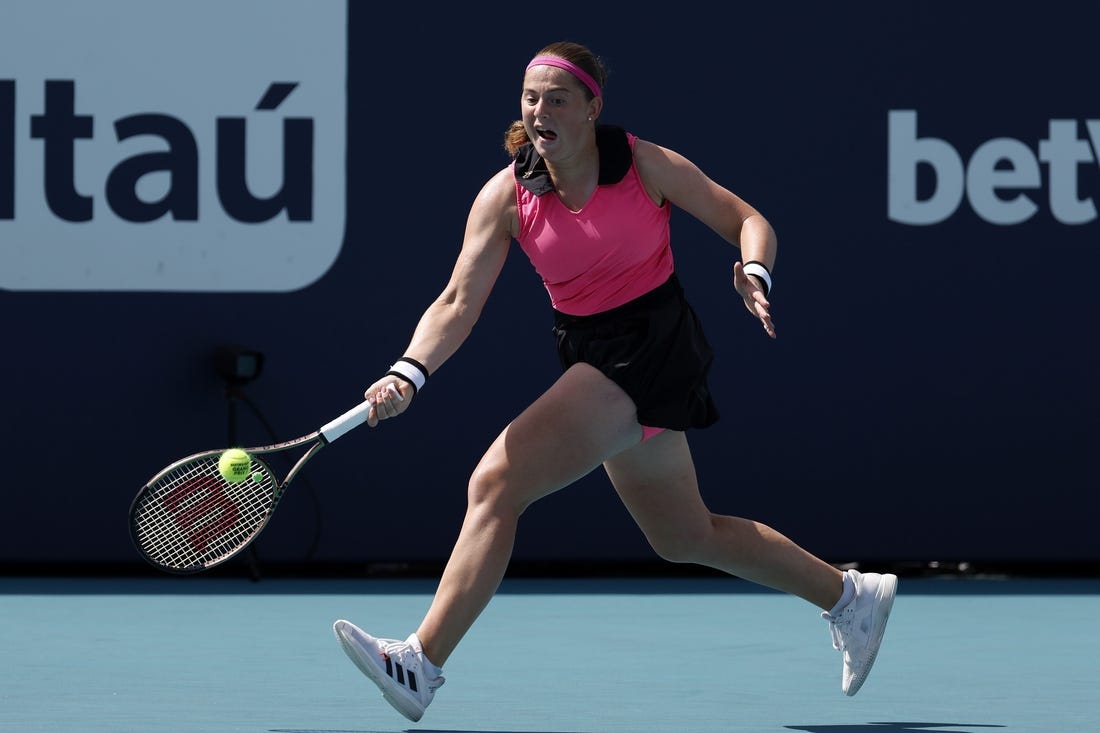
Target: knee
(485, 484)
(488, 489)
(683, 544)
(677, 550)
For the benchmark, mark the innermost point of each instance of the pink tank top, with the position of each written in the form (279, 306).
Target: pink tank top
(613, 250)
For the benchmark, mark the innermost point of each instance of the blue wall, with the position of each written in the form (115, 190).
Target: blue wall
(932, 394)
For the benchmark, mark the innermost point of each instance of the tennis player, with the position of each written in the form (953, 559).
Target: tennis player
(590, 205)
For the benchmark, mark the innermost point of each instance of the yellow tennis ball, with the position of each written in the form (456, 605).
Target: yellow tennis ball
(235, 465)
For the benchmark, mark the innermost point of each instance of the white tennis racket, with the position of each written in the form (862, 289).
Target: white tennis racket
(189, 518)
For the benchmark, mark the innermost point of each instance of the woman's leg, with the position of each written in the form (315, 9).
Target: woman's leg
(656, 481)
(576, 425)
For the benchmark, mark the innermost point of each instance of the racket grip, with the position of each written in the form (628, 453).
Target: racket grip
(351, 419)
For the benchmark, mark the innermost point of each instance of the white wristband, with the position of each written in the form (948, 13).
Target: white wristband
(758, 269)
(410, 372)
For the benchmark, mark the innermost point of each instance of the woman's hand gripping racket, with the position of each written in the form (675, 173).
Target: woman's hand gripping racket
(189, 518)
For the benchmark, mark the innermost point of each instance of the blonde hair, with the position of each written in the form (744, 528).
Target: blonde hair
(515, 137)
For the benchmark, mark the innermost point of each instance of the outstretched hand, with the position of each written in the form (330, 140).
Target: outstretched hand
(753, 295)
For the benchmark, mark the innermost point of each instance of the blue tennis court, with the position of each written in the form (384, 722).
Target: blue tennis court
(584, 655)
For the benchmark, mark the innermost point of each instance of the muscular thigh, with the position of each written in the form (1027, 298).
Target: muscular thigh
(657, 483)
(572, 428)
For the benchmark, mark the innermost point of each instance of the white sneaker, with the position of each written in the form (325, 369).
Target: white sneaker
(857, 630)
(399, 668)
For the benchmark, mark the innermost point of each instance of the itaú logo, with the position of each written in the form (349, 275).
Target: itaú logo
(61, 130)
(195, 147)
(1002, 180)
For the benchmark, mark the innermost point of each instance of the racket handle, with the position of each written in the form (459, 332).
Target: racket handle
(351, 419)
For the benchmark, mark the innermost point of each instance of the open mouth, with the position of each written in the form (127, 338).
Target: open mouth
(547, 134)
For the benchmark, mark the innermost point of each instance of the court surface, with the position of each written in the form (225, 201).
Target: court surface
(548, 656)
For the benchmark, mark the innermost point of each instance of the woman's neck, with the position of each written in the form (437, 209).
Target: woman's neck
(575, 178)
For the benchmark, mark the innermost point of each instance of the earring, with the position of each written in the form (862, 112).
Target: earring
(589, 119)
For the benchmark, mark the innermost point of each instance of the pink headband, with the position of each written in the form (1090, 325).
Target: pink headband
(569, 66)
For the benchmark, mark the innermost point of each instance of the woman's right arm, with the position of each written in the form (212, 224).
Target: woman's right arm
(444, 326)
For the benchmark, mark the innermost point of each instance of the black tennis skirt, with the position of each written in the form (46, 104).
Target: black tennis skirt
(654, 348)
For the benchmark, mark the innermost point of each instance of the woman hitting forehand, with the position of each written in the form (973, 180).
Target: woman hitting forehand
(590, 205)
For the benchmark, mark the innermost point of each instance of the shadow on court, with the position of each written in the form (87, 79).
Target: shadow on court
(298, 730)
(892, 727)
(857, 728)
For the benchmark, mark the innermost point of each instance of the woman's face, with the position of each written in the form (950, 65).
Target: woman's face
(555, 111)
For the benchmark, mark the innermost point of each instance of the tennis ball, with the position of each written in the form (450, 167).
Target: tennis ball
(235, 465)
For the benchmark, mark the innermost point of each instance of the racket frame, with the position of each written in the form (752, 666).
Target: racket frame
(316, 440)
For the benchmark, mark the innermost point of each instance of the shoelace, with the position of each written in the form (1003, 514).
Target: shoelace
(397, 649)
(835, 631)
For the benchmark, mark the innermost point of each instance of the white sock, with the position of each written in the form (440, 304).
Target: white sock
(847, 593)
(429, 666)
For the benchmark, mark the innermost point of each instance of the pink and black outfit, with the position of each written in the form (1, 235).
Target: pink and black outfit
(618, 304)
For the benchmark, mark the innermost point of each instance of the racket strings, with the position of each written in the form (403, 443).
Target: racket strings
(191, 516)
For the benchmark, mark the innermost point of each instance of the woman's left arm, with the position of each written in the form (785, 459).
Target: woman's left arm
(669, 176)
